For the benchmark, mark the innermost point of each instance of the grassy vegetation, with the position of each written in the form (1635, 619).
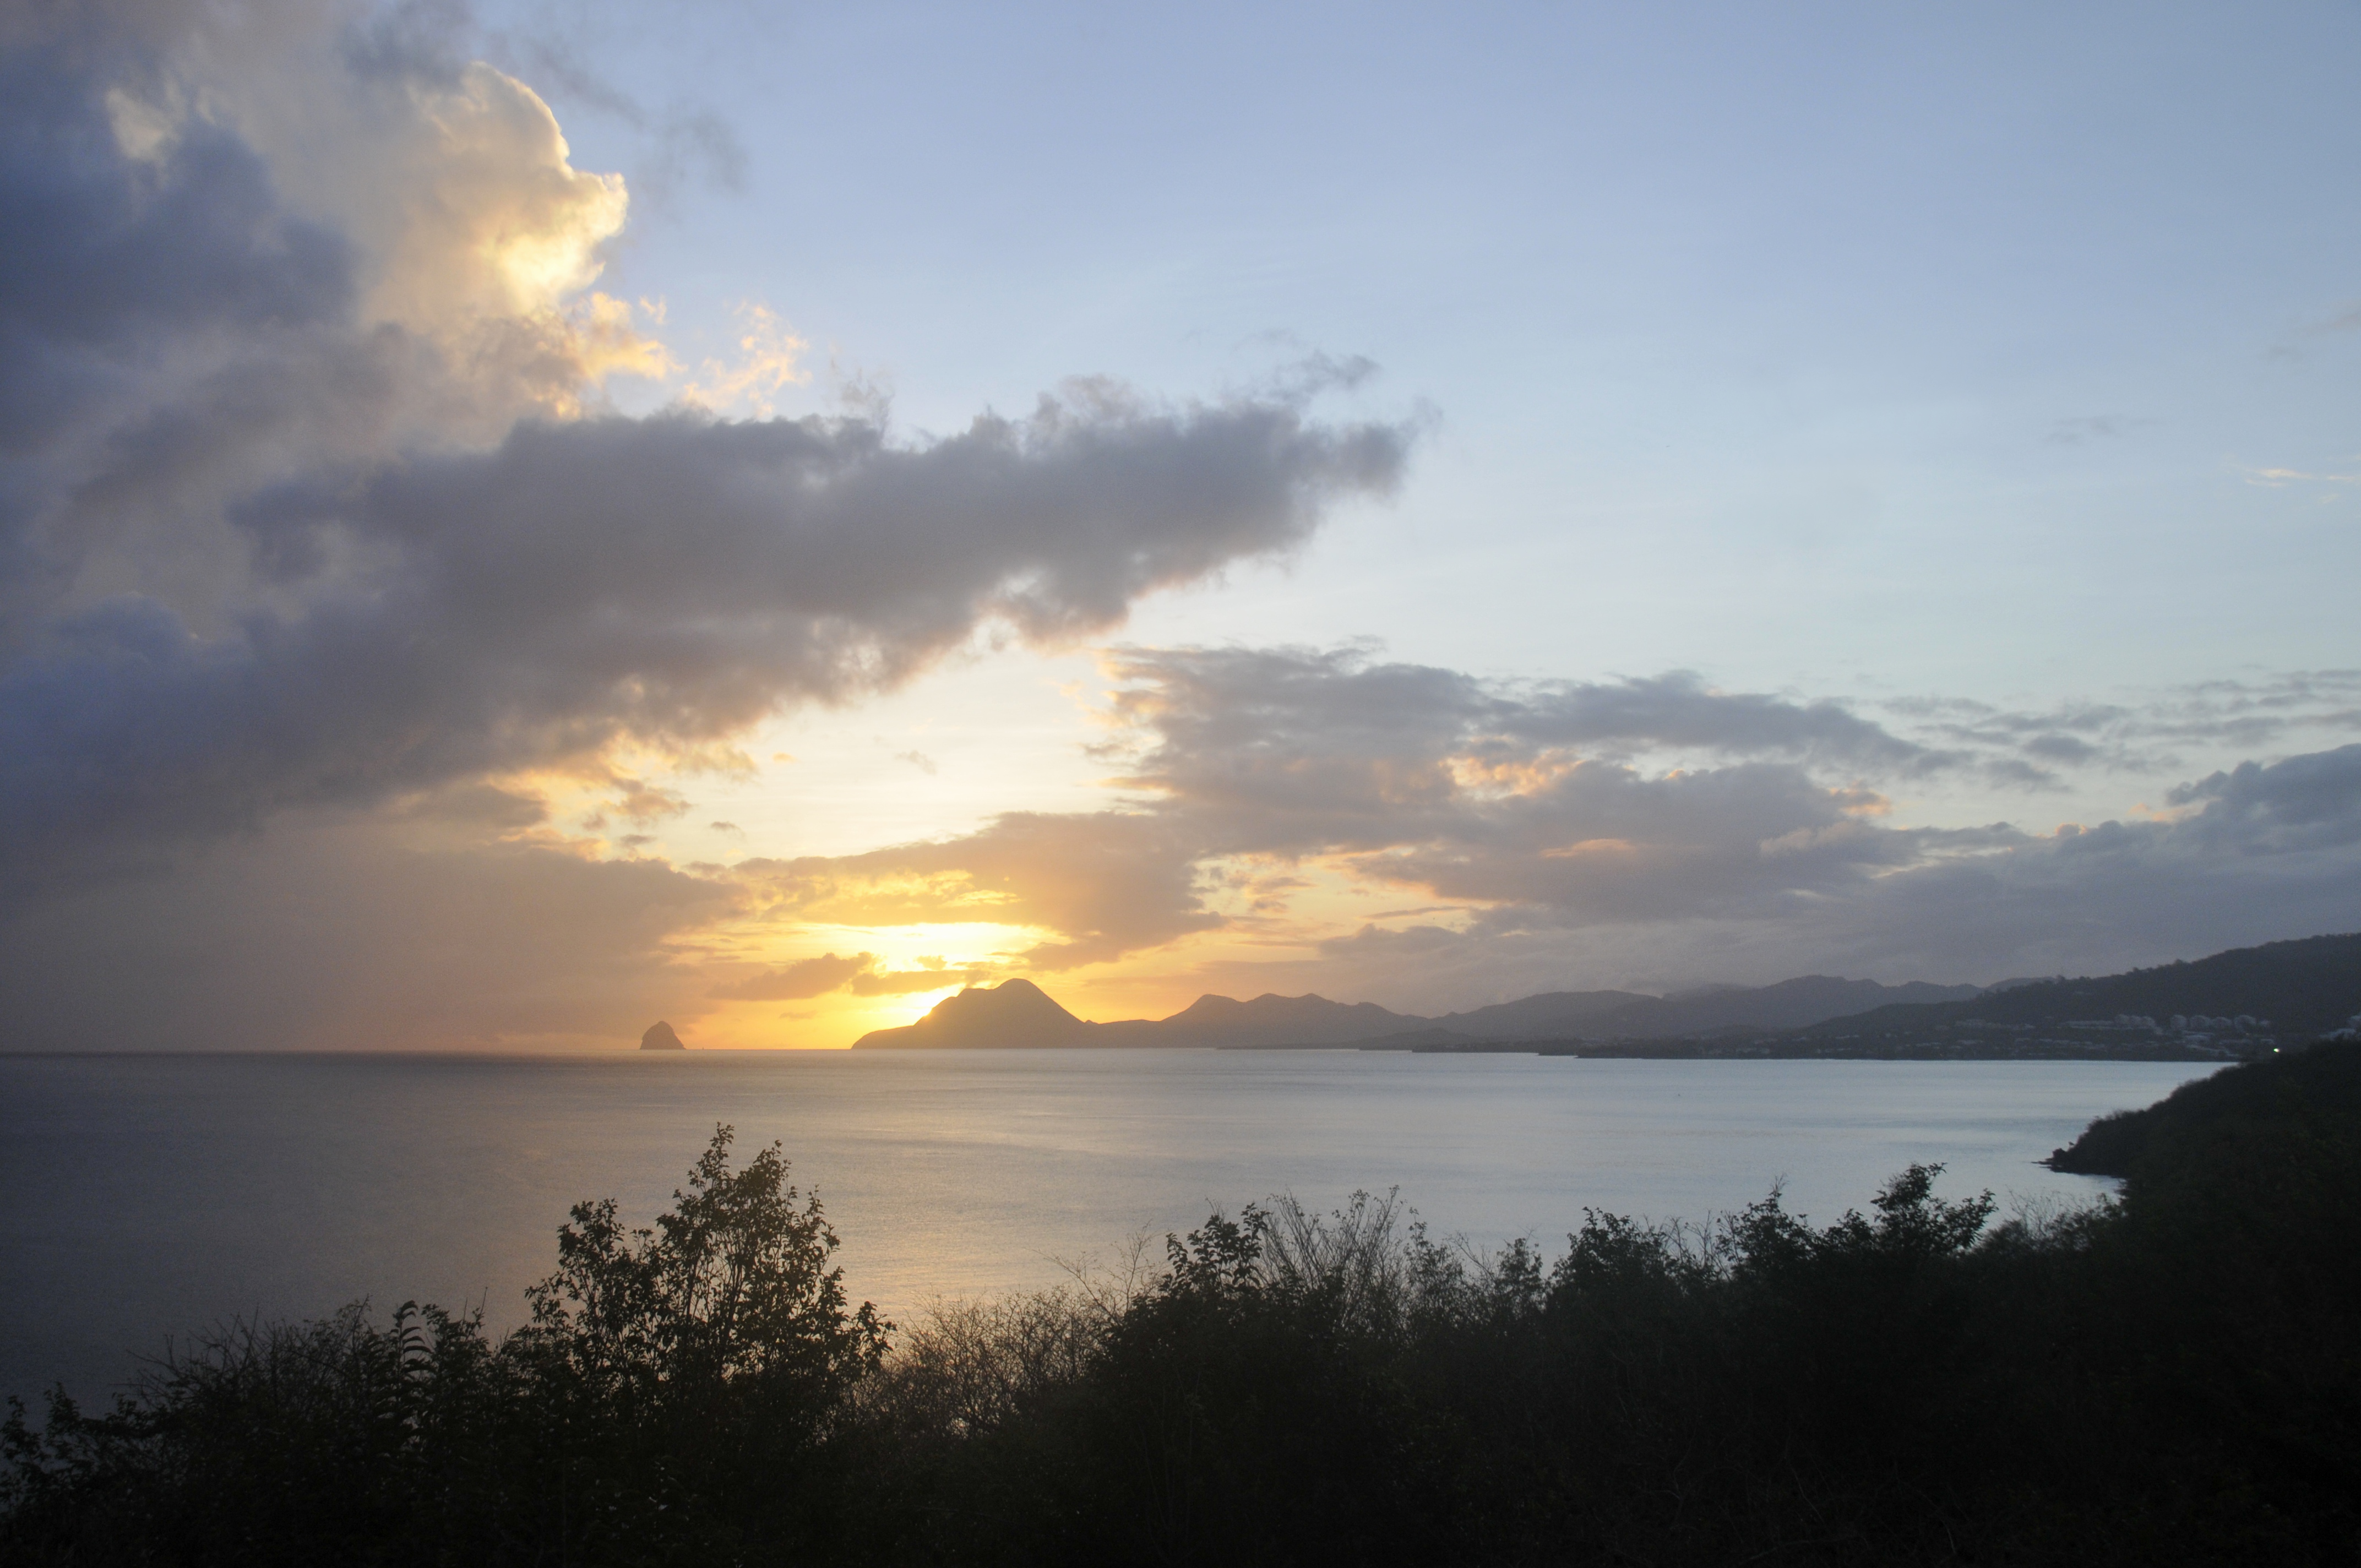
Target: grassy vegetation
(2171, 1377)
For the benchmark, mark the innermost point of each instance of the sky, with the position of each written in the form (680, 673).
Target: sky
(520, 521)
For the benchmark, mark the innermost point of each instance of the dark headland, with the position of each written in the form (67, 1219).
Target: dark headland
(2234, 1005)
(660, 1038)
(1016, 1013)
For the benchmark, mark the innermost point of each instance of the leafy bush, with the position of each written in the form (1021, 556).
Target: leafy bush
(670, 1380)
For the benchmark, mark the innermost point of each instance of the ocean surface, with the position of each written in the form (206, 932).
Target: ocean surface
(148, 1196)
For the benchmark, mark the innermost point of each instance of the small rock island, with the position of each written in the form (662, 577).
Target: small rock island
(660, 1038)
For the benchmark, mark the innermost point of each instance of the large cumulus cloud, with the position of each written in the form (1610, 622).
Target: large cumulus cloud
(667, 580)
(310, 497)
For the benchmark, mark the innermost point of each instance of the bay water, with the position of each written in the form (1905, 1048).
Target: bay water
(143, 1197)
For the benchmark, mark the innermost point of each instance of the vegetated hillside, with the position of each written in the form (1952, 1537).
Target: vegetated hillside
(2301, 1094)
(1790, 1004)
(1549, 1015)
(1630, 1015)
(2305, 988)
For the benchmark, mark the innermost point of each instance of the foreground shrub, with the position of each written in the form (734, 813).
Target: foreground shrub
(672, 1396)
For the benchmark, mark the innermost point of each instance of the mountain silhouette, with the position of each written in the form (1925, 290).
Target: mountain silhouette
(1014, 1013)
(2301, 988)
(1019, 1013)
(2314, 983)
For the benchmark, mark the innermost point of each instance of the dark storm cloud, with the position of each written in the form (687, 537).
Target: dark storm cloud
(255, 552)
(668, 580)
(1774, 853)
(1678, 711)
(2273, 850)
(2265, 851)
(112, 271)
(1405, 774)
(2302, 804)
(1211, 692)
(2268, 852)
(1603, 842)
(1330, 733)
(105, 253)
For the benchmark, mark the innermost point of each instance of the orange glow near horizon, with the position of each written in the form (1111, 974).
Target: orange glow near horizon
(1276, 916)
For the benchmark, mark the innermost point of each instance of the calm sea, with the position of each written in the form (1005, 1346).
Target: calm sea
(146, 1196)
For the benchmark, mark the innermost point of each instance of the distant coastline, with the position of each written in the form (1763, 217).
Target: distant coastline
(2243, 1004)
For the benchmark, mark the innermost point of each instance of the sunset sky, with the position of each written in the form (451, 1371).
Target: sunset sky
(520, 522)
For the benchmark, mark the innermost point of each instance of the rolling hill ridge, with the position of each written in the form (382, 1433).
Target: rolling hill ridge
(2302, 988)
